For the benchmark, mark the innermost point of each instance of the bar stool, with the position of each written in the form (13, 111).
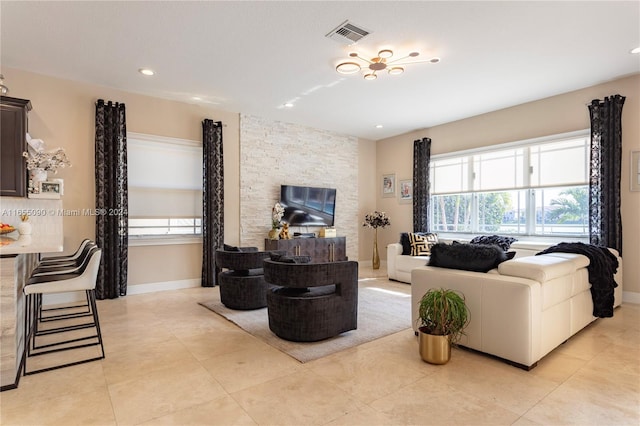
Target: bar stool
(81, 279)
(71, 265)
(59, 260)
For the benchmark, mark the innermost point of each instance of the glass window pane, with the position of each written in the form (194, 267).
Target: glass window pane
(165, 226)
(451, 213)
(148, 222)
(562, 211)
(502, 212)
(181, 222)
(148, 231)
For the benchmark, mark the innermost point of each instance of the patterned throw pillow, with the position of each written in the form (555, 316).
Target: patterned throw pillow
(503, 242)
(421, 243)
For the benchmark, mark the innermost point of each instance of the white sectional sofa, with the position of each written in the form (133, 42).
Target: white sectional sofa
(399, 266)
(521, 310)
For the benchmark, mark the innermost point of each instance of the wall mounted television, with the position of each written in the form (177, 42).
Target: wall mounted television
(308, 206)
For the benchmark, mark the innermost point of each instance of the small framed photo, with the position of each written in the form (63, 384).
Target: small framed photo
(405, 193)
(49, 187)
(635, 170)
(60, 182)
(389, 185)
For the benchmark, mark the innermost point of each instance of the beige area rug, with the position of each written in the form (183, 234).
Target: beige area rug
(384, 308)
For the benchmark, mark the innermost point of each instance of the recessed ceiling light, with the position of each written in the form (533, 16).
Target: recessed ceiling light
(288, 105)
(379, 126)
(196, 98)
(636, 50)
(146, 71)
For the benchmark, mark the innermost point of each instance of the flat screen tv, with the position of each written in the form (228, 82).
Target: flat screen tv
(308, 206)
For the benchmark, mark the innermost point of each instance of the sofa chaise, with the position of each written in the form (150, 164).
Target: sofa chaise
(521, 310)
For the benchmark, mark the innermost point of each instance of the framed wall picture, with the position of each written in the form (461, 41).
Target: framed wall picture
(405, 192)
(635, 170)
(49, 187)
(389, 185)
(60, 182)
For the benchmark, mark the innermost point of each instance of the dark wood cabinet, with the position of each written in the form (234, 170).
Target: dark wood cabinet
(13, 142)
(320, 249)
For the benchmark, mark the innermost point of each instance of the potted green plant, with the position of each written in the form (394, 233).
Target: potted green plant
(443, 316)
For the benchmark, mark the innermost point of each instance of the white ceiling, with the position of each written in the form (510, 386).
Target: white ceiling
(252, 57)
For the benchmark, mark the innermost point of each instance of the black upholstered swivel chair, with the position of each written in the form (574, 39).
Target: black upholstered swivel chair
(242, 286)
(313, 301)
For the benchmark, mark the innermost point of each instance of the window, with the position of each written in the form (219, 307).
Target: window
(536, 187)
(165, 186)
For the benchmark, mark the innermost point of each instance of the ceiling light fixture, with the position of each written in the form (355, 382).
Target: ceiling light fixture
(379, 63)
(288, 105)
(146, 71)
(636, 50)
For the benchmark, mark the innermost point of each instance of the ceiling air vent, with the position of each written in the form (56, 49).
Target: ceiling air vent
(348, 33)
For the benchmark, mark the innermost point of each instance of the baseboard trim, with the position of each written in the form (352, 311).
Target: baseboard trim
(64, 298)
(369, 263)
(163, 286)
(631, 297)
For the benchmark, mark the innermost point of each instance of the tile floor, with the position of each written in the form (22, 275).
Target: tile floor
(171, 361)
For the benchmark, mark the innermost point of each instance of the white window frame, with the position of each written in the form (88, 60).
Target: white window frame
(165, 239)
(526, 186)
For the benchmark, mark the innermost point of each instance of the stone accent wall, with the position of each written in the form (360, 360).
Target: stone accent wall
(276, 153)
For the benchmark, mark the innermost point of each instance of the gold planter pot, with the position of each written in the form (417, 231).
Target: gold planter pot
(434, 349)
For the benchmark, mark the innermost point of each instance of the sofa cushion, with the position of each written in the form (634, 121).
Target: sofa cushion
(227, 247)
(538, 268)
(468, 257)
(578, 260)
(407, 263)
(291, 259)
(502, 241)
(421, 243)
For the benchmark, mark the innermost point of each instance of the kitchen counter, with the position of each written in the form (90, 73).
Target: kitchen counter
(18, 257)
(13, 243)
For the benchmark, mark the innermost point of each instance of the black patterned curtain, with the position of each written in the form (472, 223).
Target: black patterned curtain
(421, 159)
(212, 200)
(111, 199)
(605, 221)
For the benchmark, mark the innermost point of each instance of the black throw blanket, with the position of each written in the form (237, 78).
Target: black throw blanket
(602, 266)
